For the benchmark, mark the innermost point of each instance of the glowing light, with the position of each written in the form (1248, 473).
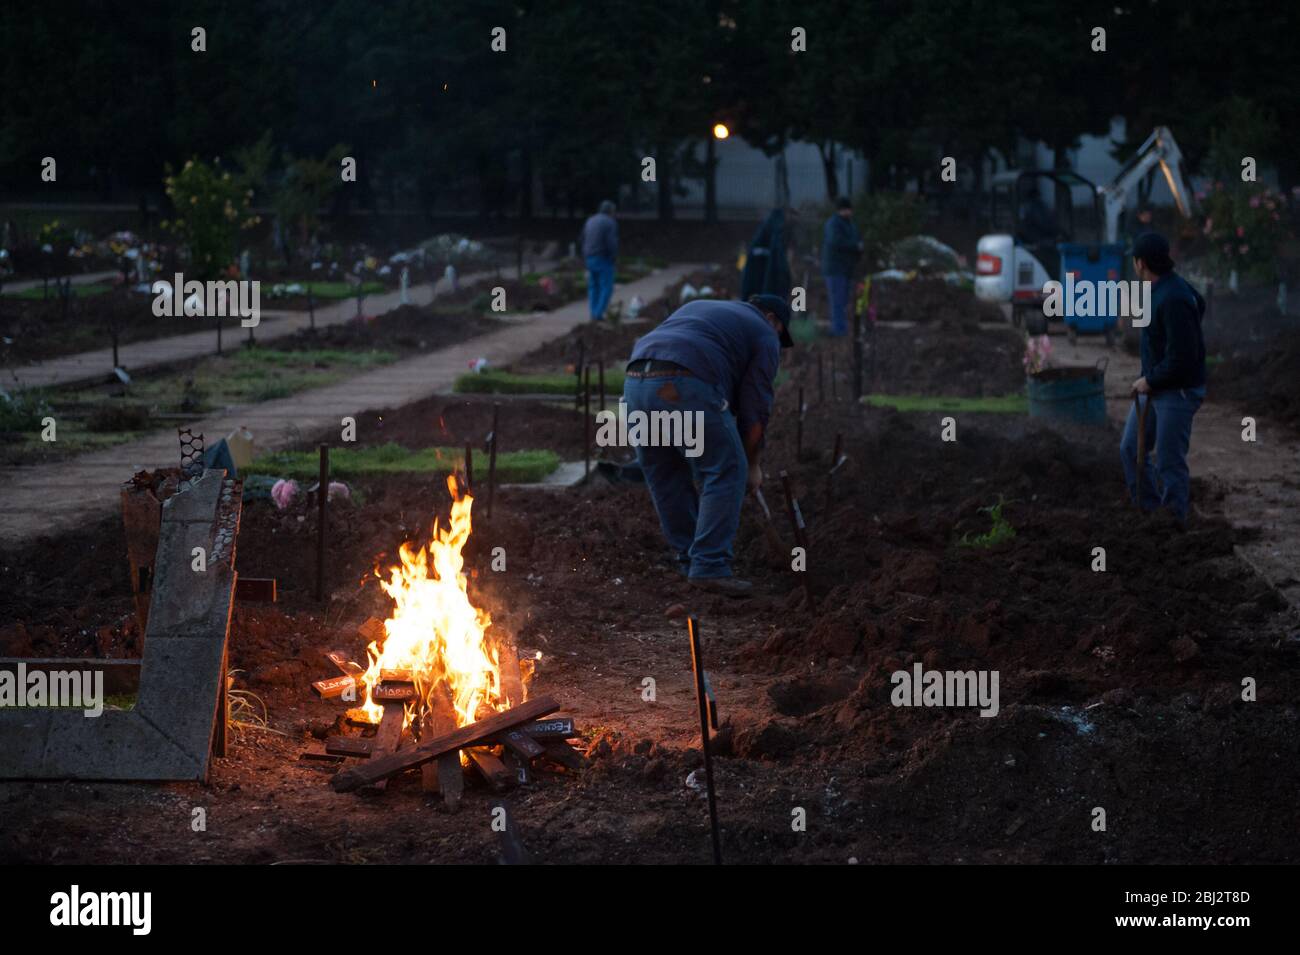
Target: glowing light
(720, 131)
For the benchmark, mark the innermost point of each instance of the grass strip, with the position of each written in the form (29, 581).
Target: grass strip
(1000, 404)
(513, 467)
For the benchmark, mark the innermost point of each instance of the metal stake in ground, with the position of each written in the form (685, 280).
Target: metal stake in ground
(798, 430)
(492, 456)
(600, 370)
(577, 370)
(311, 307)
(469, 467)
(830, 472)
(586, 424)
(800, 533)
(702, 697)
(857, 353)
(322, 499)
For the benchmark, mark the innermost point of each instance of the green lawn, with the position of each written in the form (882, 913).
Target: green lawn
(513, 467)
(337, 290)
(1002, 404)
(509, 383)
(78, 291)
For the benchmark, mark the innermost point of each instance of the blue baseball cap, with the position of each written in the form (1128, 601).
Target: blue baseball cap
(777, 306)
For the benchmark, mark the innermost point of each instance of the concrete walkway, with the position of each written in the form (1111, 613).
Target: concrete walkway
(275, 323)
(49, 498)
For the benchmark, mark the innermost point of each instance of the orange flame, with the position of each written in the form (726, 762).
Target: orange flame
(434, 631)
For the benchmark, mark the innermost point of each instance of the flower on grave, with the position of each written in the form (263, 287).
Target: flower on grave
(1243, 249)
(283, 493)
(1241, 231)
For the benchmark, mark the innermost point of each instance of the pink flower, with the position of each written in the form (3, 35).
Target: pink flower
(283, 493)
(339, 490)
(1243, 249)
(1241, 230)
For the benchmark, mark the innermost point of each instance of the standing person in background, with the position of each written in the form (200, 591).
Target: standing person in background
(1172, 383)
(767, 269)
(841, 246)
(599, 243)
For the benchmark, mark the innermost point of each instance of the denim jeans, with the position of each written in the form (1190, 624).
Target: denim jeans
(1169, 434)
(698, 499)
(838, 287)
(600, 285)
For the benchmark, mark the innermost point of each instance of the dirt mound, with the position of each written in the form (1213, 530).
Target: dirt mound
(1267, 382)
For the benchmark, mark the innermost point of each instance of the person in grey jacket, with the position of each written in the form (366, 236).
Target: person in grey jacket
(600, 249)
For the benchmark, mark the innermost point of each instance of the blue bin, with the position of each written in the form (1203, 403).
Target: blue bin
(1072, 393)
(1092, 263)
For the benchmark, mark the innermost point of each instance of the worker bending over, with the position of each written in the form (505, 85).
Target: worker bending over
(717, 360)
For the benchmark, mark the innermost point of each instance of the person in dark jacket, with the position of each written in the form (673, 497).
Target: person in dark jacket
(600, 249)
(715, 361)
(841, 246)
(767, 269)
(1172, 385)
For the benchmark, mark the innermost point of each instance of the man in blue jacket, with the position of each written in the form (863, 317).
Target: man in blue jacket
(715, 361)
(600, 249)
(841, 246)
(1172, 385)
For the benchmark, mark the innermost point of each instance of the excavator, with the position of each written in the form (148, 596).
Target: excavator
(1080, 236)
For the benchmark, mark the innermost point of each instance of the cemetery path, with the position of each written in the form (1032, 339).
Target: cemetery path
(49, 498)
(275, 323)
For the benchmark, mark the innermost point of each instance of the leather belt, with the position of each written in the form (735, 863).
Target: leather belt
(655, 368)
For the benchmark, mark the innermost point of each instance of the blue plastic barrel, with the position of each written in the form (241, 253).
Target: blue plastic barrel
(1071, 393)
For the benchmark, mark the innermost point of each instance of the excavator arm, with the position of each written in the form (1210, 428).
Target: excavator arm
(1160, 149)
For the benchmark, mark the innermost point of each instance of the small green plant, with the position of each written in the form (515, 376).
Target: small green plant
(22, 411)
(211, 208)
(999, 533)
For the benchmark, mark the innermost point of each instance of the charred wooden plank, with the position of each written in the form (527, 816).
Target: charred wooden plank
(349, 746)
(491, 768)
(444, 774)
(393, 692)
(512, 683)
(388, 737)
(521, 744)
(564, 754)
(383, 767)
(395, 676)
(560, 727)
(325, 757)
(518, 767)
(346, 667)
(334, 687)
(372, 631)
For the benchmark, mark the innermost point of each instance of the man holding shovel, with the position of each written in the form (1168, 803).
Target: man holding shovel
(1172, 385)
(714, 360)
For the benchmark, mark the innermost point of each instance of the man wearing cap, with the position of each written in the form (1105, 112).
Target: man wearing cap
(841, 246)
(600, 250)
(717, 361)
(1172, 385)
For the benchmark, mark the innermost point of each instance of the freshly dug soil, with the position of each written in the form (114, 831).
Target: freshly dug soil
(40, 331)
(1266, 381)
(407, 329)
(1119, 688)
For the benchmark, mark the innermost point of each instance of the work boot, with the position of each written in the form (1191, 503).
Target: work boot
(726, 586)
